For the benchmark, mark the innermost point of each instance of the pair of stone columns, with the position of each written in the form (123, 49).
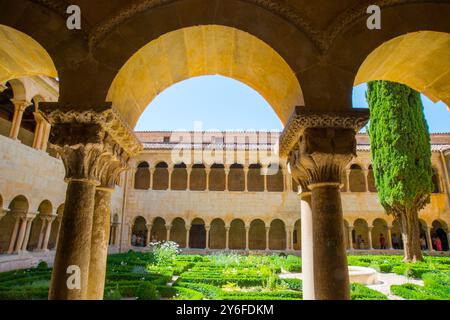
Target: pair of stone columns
(42, 132)
(94, 145)
(44, 234)
(19, 108)
(318, 146)
(21, 232)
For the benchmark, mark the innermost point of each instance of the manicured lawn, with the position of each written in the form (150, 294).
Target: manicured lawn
(227, 277)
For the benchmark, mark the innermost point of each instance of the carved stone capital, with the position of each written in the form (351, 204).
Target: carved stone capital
(20, 105)
(319, 145)
(94, 145)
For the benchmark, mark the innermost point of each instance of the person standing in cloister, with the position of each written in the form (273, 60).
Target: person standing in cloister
(382, 241)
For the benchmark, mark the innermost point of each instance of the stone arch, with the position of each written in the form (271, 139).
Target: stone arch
(255, 178)
(197, 234)
(142, 176)
(361, 234)
(159, 231)
(416, 59)
(161, 176)
(7, 110)
(179, 177)
(37, 227)
(204, 50)
(257, 235)
(277, 235)
(139, 232)
(297, 235)
(198, 177)
(357, 180)
(217, 177)
(379, 232)
(18, 206)
(178, 232)
(237, 235)
(23, 56)
(436, 181)
(275, 178)
(440, 230)
(371, 180)
(236, 178)
(217, 234)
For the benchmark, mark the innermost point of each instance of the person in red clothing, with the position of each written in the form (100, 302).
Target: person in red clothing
(382, 241)
(438, 244)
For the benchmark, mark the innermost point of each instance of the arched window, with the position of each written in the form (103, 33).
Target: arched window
(371, 180)
(161, 177)
(6, 110)
(179, 177)
(236, 178)
(436, 184)
(142, 176)
(357, 180)
(198, 178)
(217, 177)
(379, 234)
(275, 178)
(257, 235)
(255, 178)
(297, 235)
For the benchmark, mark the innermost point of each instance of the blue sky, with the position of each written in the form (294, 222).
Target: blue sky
(222, 103)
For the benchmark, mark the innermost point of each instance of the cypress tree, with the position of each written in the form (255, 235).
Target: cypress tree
(401, 157)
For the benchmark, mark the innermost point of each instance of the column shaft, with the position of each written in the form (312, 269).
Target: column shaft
(227, 238)
(267, 238)
(307, 243)
(350, 237)
(21, 236)
(12, 242)
(41, 233)
(73, 250)
(99, 243)
(48, 230)
(27, 234)
(429, 241)
(331, 278)
(247, 229)
(187, 237)
(370, 238)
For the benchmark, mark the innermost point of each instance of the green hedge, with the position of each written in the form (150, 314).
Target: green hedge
(361, 292)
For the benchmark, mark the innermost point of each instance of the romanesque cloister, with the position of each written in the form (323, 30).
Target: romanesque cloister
(98, 80)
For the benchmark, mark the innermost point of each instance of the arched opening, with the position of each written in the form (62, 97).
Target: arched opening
(396, 234)
(161, 176)
(54, 233)
(357, 180)
(275, 178)
(362, 234)
(159, 231)
(297, 235)
(6, 110)
(439, 235)
(139, 232)
(255, 178)
(37, 233)
(257, 235)
(217, 177)
(277, 235)
(236, 236)
(197, 234)
(142, 176)
(9, 224)
(379, 234)
(436, 182)
(179, 177)
(198, 178)
(236, 178)
(217, 234)
(178, 232)
(371, 180)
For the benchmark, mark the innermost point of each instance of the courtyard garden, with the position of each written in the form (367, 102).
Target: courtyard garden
(166, 274)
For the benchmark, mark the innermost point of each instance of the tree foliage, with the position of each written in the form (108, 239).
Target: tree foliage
(400, 144)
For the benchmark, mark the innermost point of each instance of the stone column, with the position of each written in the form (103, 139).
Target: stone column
(288, 234)
(370, 238)
(265, 177)
(292, 238)
(318, 146)
(347, 179)
(246, 179)
(21, 236)
(149, 233)
(88, 141)
(267, 238)
(170, 170)
(152, 172)
(227, 172)
(48, 229)
(188, 229)
(247, 229)
(12, 241)
(389, 238)
(41, 232)
(350, 237)
(207, 228)
(227, 237)
(130, 233)
(366, 180)
(19, 108)
(27, 233)
(38, 132)
(168, 227)
(307, 245)
(429, 241)
(207, 170)
(189, 171)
